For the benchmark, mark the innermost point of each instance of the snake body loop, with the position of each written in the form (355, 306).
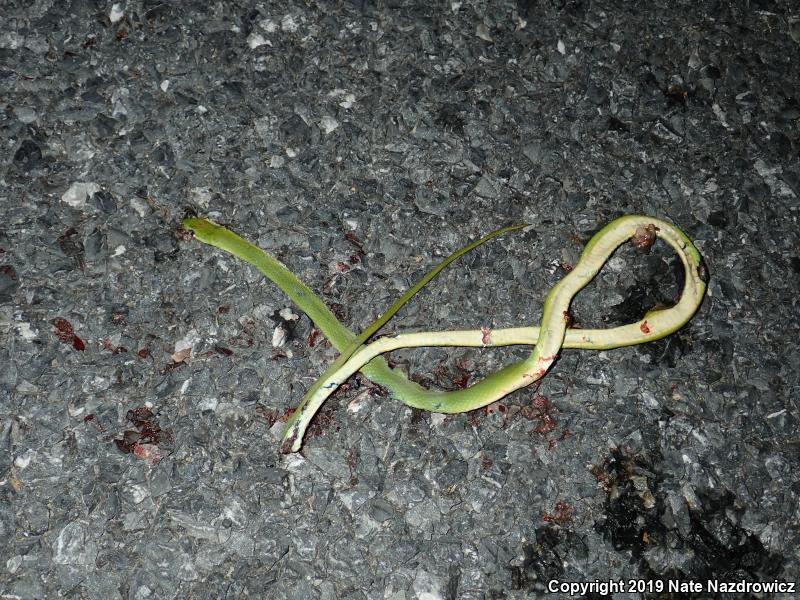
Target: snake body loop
(549, 338)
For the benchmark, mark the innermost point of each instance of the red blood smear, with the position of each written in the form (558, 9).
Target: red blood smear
(65, 333)
(64, 327)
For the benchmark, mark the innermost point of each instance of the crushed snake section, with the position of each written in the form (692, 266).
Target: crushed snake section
(547, 339)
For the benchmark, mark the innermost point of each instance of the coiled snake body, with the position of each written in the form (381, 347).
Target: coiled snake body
(547, 338)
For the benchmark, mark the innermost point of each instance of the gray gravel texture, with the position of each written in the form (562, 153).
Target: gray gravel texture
(361, 143)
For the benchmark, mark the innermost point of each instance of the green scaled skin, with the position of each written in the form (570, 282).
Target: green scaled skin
(548, 338)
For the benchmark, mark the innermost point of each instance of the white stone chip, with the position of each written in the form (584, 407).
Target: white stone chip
(25, 114)
(116, 13)
(188, 341)
(279, 337)
(254, 40)
(287, 314)
(288, 24)
(268, 25)
(26, 332)
(201, 196)
(482, 31)
(328, 124)
(78, 192)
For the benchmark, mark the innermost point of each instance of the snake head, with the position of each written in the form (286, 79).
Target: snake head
(203, 229)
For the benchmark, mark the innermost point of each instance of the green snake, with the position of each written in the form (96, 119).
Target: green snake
(547, 339)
